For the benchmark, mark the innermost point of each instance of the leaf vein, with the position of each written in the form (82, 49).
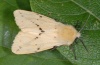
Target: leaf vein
(90, 12)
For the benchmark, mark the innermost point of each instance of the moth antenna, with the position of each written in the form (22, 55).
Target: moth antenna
(80, 31)
(84, 24)
(73, 50)
(83, 44)
(76, 24)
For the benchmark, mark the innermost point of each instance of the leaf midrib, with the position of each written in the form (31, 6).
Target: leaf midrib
(86, 9)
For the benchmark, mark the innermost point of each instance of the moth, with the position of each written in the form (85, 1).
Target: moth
(39, 33)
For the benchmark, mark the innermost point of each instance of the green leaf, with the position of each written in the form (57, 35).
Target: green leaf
(23, 4)
(92, 7)
(65, 11)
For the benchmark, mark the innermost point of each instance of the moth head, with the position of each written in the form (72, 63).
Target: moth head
(78, 35)
(78, 38)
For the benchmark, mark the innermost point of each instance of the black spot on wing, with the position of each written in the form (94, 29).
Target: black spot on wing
(19, 48)
(21, 14)
(36, 38)
(40, 16)
(54, 37)
(38, 48)
(35, 44)
(40, 33)
(37, 25)
(41, 30)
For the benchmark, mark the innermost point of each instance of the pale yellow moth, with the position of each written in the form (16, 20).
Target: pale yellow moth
(39, 33)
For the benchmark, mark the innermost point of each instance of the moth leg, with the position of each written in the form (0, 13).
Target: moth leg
(72, 47)
(83, 44)
(54, 47)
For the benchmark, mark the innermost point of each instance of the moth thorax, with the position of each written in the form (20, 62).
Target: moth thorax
(68, 34)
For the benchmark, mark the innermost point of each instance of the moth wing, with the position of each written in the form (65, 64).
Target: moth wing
(26, 43)
(38, 33)
(27, 19)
